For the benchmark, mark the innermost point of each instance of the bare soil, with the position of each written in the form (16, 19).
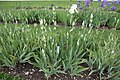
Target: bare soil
(29, 72)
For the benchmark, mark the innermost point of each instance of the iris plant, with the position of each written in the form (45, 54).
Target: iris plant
(118, 2)
(102, 5)
(113, 8)
(73, 9)
(112, 1)
(108, 4)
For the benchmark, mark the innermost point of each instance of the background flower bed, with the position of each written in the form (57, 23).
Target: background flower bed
(105, 14)
(100, 18)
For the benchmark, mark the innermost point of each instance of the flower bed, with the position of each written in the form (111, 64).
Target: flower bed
(60, 51)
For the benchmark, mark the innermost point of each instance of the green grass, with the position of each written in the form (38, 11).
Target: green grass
(44, 4)
(64, 4)
(9, 5)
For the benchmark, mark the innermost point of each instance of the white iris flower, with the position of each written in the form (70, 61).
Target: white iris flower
(73, 9)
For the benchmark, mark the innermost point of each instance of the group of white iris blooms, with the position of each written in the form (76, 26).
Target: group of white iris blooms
(72, 10)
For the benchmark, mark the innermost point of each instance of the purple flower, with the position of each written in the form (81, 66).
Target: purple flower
(113, 8)
(80, 8)
(108, 4)
(102, 5)
(105, 1)
(112, 1)
(118, 2)
(87, 2)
